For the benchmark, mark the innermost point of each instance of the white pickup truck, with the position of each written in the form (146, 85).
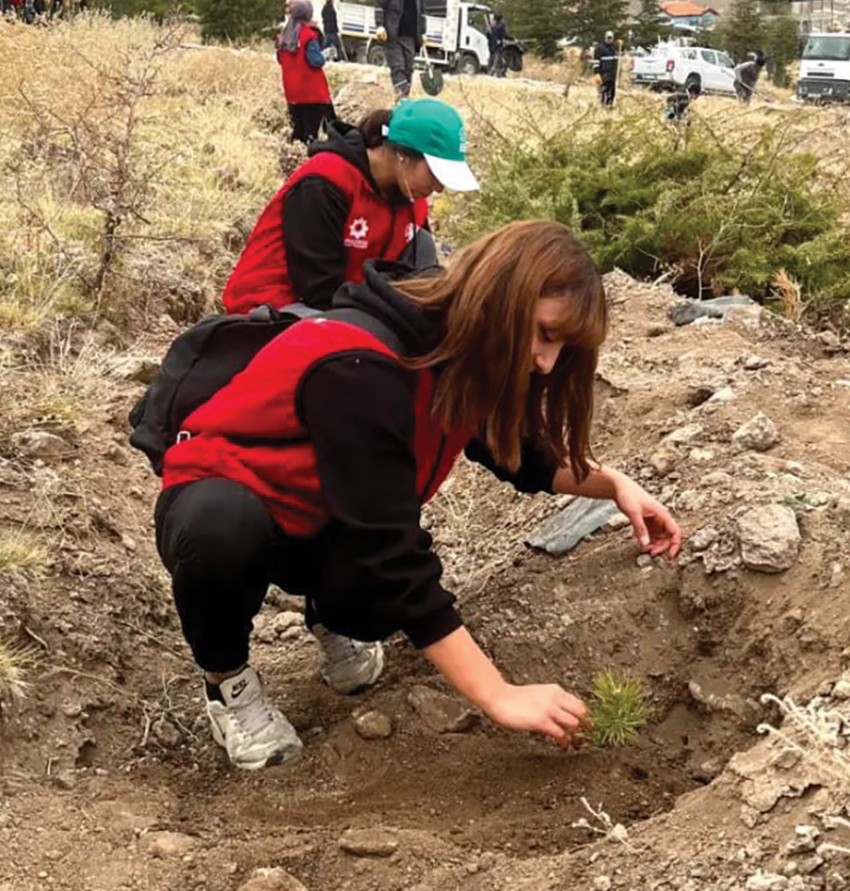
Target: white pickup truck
(673, 66)
(455, 35)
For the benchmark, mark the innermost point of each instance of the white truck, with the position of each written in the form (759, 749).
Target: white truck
(455, 36)
(677, 66)
(825, 69)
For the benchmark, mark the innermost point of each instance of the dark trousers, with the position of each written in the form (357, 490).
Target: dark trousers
(307, 120)
(334, 41)
(401, 54)
(223, 549)
(608, 91)
(498, 66)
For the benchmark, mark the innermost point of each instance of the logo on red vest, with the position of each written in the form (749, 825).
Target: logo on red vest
(357, 233)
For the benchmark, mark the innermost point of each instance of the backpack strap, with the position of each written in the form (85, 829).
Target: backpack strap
(369, 323)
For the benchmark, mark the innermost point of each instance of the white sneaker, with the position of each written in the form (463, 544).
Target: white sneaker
(252, 731)
(347, 665)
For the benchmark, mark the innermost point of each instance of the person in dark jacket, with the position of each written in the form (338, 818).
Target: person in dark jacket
(497, 39)
(311, 467)
(361, 196)
(330, 24)
(401, 23)
(299, 53)
(747, 77)
(606, 67)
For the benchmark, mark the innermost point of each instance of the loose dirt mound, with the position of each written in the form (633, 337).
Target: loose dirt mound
(107, 754)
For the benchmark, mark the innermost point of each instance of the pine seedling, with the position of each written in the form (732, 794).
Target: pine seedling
(618, 709)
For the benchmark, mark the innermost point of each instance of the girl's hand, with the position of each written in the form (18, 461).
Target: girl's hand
(545, 708)
(655, 529)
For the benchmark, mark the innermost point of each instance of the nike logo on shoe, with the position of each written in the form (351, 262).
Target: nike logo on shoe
(238, 689)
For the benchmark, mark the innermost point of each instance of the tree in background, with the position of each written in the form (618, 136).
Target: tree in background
(782, 43)
(236, 19)
(649, 26)
(588, 20)
(541, 23)
(742, 30)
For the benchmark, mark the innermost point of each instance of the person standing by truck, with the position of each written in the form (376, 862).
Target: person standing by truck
(305, 86)
(401, 23)
(331, 26)
(606, 68)
(498, 38)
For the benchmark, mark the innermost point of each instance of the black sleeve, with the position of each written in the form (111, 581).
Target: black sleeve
(358, 409)
(536, 472)
(314, 216)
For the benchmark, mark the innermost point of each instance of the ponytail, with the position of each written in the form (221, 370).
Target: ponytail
(372, 127)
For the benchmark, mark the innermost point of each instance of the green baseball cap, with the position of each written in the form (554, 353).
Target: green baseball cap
(436, 130)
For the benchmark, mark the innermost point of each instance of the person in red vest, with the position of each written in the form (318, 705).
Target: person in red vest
(362, 195)
(299, 53)
(311, 467)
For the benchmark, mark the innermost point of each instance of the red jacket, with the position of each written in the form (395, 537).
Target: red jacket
(371, 228)
(302, 84)
(261, 402)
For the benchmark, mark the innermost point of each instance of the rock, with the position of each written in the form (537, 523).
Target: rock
(602, 883)
(701, 455)
(40, 444)
(369, 842)
(724, 394)
(167, 844)
(697, 395)
(566, 529)
(137, 369)
(373, 725)
(689, 311)
(441, 713)
(708, 770)
(758, 434)
(65, 780)
(770, 538)
(286, 620)
(271, 879)
(830, 340)
(805, 840)
(786, 759)
(166, 733)
(618, 521)
(703, 538)
(841, 690)
(755, 363)
(749, 816)
(767, 881)
(685, 435)
(665, 459)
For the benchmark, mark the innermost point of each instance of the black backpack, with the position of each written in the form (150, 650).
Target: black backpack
(207, 356)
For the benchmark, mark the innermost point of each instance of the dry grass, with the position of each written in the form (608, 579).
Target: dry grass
(16, 662)
(20, 553)
(790, 296)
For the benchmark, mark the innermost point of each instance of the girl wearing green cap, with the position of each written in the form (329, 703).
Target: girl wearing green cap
(362, 195)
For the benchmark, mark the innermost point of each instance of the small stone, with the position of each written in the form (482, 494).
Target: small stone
(618, 521)
(602, 883)
(167, 844)
(644, 561)
(805, 840)
(136, 369)
(65, 780)
(40, 444)
(807, 865)
(441, 713)
(755, 363)
(701, 456)
(71, 709)
(836, 575)
(166, 733)
(128, 542)
(830, 340)
(767, 881)
(665, 459)
(373, 725)
(54, 856)
(708, 770)
(770, 538)
(841, 690)
(685, 435)
(369, 842)
(724, 394)
(286, 620)
(749, 816)
(758, 434)
(703, 538)
(787, 759)
(271, 879)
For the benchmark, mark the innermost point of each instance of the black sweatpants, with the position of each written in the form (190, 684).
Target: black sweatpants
(307, 119)
(223, 549)
(608, 91)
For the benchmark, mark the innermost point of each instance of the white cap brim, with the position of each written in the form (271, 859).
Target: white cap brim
(453, 175)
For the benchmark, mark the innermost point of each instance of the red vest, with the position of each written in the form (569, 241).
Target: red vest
(374, 229)
(261, 402)
(303, 85)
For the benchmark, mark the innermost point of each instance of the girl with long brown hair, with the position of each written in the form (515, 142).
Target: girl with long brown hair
(311, 467)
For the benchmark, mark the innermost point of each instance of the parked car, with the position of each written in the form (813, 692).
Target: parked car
(672, 66)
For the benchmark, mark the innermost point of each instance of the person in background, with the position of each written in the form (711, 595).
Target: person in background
(311, 467)
(498, 36)
(362, 195)
(305, 87)
(330, 24)
(401, 24)
(606, 68)
(747, 77)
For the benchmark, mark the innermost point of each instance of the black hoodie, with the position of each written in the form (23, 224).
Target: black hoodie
(314, 216)
(379, 573)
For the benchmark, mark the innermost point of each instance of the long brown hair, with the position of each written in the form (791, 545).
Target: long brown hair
(487, 298)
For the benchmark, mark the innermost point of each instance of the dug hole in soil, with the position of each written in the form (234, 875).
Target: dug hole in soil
(111, 781)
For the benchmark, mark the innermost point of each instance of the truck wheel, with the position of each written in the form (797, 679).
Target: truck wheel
(693, 84)
(513, 59)
(468, 65)
(377, 55)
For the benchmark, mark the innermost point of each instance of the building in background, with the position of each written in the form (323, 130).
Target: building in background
(823, 15)
(685, 16)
